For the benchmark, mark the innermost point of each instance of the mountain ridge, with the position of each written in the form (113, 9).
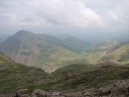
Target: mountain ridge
(50, 52)
(44, 51)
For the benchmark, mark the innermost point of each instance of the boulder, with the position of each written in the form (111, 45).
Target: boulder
(106, 90)
(39, 92)
(120, 88)
(88, 94)
(22, 91)
(56, 93)
(76, 94)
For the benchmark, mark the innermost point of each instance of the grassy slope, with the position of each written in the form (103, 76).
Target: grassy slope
(16, 76)
(72, 69)
(87, 79)
(49, 53)
(43, 51)
(5, 59)
(73, 77)
(120, 54)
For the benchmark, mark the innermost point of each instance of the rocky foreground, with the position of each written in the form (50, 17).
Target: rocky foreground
(119, 88)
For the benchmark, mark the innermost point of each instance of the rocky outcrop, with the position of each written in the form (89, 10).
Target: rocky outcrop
(118, 88)
(105, 90)
(22, 93)
(39, 93)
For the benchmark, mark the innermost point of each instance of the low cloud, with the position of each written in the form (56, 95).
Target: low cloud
(57, 14)
(121, 13)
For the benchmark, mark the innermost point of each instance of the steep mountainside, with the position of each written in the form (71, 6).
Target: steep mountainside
(113, 51)
(50, 53)
(39, 50)
(74, 43)
(119, 54)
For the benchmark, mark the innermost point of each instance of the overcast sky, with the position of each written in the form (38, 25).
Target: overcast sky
(64, 16)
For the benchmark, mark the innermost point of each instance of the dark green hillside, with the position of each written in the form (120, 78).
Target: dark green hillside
(73, 77)
(101, 75)
(16, 76)
(73, 69)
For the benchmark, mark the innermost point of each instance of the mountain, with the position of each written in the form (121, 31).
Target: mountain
(3, 37)
(73, 43)
(120, 54)
(15, 76)
(5, 59)
(100, 75)
(40, 50)
(74, 77)
(73, 69)
(113, 51)
(50, 52)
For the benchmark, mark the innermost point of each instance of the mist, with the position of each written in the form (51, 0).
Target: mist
(71, 17)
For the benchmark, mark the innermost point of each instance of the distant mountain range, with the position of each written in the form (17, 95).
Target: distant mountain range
(3, 37)
(50, 52)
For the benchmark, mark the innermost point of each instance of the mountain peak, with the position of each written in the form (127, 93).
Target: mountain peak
(22, 32)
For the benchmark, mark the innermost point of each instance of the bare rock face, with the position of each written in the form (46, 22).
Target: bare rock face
(118, 88)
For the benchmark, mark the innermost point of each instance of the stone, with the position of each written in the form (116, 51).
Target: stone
(39, 92)
(22, 91)
(106, 90)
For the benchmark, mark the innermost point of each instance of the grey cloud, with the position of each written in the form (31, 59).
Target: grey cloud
(58, 15)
